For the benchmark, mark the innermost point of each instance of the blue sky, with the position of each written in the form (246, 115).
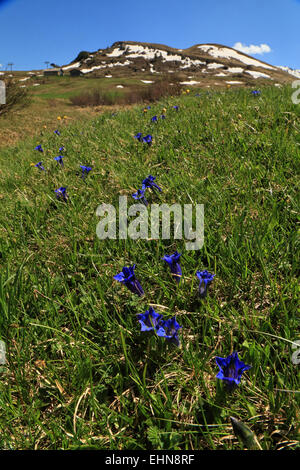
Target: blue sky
(34, 31)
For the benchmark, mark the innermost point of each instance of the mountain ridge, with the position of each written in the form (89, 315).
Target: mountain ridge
(209, 60)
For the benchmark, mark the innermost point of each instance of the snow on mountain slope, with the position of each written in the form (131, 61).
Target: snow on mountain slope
(295, 73)
(205, 61)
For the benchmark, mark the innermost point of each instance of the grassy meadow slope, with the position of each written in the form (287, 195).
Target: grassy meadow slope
(52, 99)
(79, 372)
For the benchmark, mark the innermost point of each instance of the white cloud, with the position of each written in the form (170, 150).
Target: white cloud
(252, 49)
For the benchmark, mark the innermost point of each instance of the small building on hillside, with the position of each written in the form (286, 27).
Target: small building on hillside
(54, 71)
(75, 73)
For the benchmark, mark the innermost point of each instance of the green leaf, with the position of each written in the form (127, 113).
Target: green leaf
(245, 434)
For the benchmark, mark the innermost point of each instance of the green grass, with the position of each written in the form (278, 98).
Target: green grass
(53, 98)
(79, 372)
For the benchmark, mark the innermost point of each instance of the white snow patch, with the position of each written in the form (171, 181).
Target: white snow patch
(136, 50)
(221, 74)
(214, 66)
(24, 79)
(152, 69)
(150, 53)
(189, 63)
(120, 64)
(227, 53)
(233, 82)
(257, 74)
(108, 76)
(147, 81)
(116, 53)
(235, 70)
(192, 82)
(119, 86)
(97, 67)
(72, 66)
(295, 73)
(36, 84)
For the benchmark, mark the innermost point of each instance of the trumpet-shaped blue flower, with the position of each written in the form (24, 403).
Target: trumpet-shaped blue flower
(140, 196)
(39, 148)
(231, 369)
(148, 139)
(176, 108)
(85, 170)
(59, 159)
(39, 165)
(149, 183)
(162, 116)
(205, 279)
(255, 92)
(173, 262)
(61, 149)
(171, 328)
(154, 119)
(150, 321)
(61, 193)
(127, 277)
(138, 136)
(57, 132)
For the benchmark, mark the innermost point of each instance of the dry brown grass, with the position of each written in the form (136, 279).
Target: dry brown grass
(162, 87)
(42, 116)
(16, 97)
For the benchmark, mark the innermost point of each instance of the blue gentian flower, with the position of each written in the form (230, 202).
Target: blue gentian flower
(255, 92)
(127, 277)
(39, 148)
(61, 193)
(61, 149)
(205, 279)
(151, 321)
(138, 136)
(176, 108)
(148, 139)
(149, 183)
(231, 369)
(85, 170)
(173, 262)
(40, 166)
(140, 196)
(162, 116)
(59, 159)
(154, 119)
(148, 107)
(171, 328)
(57, 132)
